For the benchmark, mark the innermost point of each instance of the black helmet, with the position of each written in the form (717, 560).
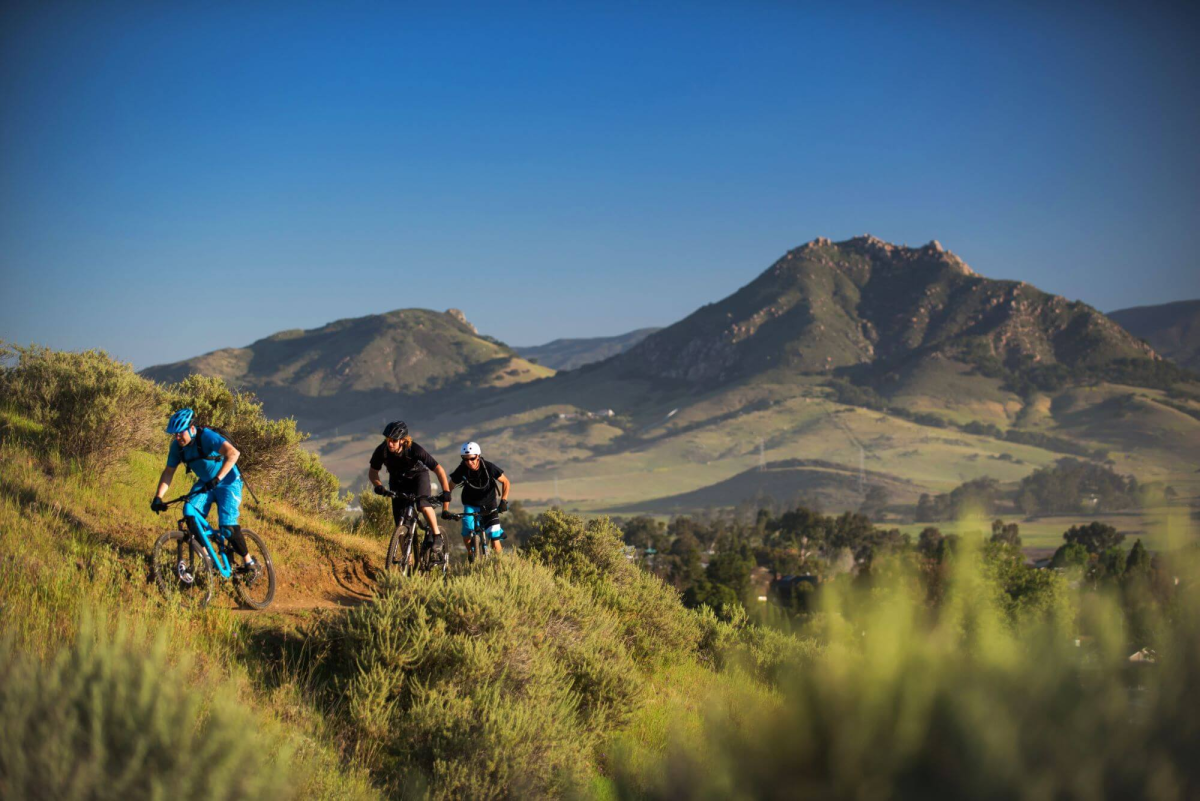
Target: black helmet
(395, 430)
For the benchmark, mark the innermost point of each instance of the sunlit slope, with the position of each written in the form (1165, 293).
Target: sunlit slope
(363, 367)
(908, 345)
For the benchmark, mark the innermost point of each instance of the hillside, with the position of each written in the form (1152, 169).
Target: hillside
(830, 306)
(839, 352)
(1172, 329)
(561, 669)
(569, 354)
(350, 368)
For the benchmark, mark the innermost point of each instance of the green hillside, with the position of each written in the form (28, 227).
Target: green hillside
(362, 366)
(562, 669)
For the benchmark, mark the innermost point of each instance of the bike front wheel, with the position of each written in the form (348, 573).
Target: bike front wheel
(182, 570)
(399, 555)
(255, 586)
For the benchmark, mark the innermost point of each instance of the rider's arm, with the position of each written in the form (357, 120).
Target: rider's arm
(164, 481)
(445, 480)
(505, 484)
(373, 477)
(231, 455)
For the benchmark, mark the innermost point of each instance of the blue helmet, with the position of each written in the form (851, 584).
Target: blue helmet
(180, 421)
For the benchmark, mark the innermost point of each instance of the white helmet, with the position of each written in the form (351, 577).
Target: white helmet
(470, 449)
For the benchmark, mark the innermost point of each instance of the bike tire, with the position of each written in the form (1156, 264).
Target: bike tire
(256, 591)
(399, 550)
(177, 558)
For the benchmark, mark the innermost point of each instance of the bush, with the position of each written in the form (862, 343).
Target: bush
(591, 554)
(376, 518)
(272, 457)
(498, 683)
(102, 721)
(908, 703)
(93, 410)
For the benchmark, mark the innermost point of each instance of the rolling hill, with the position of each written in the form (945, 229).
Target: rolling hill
(1172, 329)
(849, 353)
(569, 354)
(357, 367)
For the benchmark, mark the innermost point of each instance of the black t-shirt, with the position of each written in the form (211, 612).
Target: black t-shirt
(406, 464)
(479, 486)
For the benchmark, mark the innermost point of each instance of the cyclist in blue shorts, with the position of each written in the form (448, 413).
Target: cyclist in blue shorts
(213, 460)
(480, 480)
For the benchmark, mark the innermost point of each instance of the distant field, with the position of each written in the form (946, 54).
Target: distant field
(1160, 529)
(665, 462)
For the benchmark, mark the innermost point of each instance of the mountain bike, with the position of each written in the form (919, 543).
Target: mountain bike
(472, 517)
(185, 559)
(406, 553)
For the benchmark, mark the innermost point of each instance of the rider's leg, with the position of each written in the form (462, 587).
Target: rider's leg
(432, 518)
(228, 498)
(469, 544)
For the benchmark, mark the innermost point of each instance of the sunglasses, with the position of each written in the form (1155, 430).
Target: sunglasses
(469, 458)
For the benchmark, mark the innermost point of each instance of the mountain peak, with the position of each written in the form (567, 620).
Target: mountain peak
(462, 318)
(863, 301)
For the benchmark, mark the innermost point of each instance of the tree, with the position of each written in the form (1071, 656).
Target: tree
(1072, 485)
(928, 542)
(1138, 562)
(1008, 534)
(875, 502)
(644, 532)
(1072, 555)
(1096, 537)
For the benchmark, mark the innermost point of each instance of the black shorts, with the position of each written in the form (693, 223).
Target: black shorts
(409, 485)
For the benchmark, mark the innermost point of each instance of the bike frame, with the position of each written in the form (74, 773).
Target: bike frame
(485, 540)
(199, 527)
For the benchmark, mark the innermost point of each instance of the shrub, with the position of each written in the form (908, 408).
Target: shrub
(905, 703)
(102, 721)
(93, 410)
(497, 683)
(765, 653)
(376, 514)
(654, 626)
(272, 456)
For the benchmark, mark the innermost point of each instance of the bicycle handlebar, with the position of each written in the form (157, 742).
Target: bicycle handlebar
(481, 513)
(181, 498)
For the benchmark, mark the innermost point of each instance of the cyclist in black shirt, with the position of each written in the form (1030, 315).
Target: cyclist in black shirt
(406, 465)
(480, 481)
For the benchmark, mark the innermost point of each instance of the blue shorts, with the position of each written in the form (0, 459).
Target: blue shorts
(227, 497)
(490, 523)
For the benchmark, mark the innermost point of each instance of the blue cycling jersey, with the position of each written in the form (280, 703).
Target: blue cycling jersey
(206, 443)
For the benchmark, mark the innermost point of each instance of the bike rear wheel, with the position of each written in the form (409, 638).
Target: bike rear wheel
(256, 587)
(182, 570)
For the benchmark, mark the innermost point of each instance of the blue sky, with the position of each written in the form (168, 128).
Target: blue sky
(176, 177)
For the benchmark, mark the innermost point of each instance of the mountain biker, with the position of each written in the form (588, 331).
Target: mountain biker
(213, 459)
(479, 481)
(406, 464)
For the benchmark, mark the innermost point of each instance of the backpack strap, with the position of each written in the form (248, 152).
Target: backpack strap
(215, 456)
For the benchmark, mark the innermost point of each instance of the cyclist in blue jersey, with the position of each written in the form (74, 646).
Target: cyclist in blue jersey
(213, 459)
